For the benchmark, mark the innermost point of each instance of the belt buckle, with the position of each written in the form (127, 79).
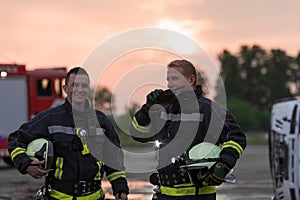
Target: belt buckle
(83, 185)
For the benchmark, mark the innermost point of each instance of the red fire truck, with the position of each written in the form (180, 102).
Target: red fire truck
(24, 94)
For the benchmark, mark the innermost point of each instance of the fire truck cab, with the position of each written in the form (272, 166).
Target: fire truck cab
(284, 149)
(24, 94)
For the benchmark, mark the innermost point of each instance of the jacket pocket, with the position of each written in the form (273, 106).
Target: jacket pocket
(62, 140)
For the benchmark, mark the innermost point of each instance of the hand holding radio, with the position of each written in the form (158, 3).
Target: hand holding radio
(159, 96)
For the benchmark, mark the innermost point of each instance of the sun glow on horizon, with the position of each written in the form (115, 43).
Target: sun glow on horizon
(182, 26)
(185, 27)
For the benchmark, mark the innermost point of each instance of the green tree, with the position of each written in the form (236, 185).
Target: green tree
(244, 113)
(103, 100)
(296, 76)
(279, 75)
(229, 69)
(258, 77)
(243, 74)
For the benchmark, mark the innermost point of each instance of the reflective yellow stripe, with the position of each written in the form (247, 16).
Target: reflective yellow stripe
(59, 195)
(17, 151)
(59, 166)
(116, 175)
(98, 175)
(62, 196)
(186, 191)
(142, 129)
(184, 185)
(234, 145)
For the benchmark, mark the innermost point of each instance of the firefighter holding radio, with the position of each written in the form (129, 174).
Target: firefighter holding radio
(56, 144)
(199, 141)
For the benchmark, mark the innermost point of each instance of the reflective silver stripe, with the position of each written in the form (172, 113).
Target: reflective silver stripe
(182, 117)
(100, 131)
(61, 129)
(70, 130)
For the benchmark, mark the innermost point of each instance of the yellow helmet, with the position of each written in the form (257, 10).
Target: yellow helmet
(199, 160)
(41, 149)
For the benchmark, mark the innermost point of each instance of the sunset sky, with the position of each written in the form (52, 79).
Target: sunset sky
(43, 33)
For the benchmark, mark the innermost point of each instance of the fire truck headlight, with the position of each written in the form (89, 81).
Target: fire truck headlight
(3, 74)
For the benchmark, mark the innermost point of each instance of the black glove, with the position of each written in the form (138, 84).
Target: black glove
(153, 97)
(159, 96)
(218, 174)
(143, 115)
(154, 179)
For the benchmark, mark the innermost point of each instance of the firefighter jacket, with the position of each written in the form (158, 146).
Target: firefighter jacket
(74, 160)
(179, 124)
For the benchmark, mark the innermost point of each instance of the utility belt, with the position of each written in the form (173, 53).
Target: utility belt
(74, 188)
(170, 179)
(178, 184)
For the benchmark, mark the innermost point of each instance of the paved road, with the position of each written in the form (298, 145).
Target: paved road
(253, 177)
(252, 172)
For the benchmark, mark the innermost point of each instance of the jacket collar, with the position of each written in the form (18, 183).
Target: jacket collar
(198, 91)
(191, 93)
(67, 105)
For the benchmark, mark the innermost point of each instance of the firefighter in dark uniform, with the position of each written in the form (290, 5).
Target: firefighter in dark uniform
(76, 172)
(179, 119)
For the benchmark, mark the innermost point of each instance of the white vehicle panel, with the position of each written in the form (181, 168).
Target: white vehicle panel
(14, 104)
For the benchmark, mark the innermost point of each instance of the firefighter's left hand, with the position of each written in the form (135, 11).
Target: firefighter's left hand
(218, 174)
(121, 196)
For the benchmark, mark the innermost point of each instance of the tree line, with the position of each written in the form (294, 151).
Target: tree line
(254, 79)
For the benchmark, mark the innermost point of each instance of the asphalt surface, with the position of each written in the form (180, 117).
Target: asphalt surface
(252, 173)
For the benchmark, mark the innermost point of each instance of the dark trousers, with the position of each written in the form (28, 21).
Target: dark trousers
(198, 197)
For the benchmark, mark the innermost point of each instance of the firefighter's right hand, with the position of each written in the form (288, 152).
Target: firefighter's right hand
(35, 170)
(218, 175)
(152, 97)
